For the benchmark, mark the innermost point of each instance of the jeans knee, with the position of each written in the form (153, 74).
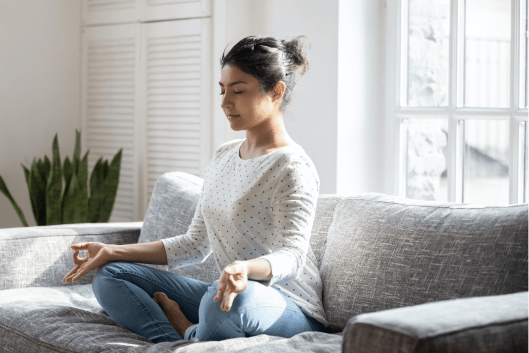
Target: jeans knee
(103, 272)
(212, 309)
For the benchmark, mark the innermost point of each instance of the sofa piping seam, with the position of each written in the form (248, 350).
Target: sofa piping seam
(67, 235)
(33, 340)
(435, 206)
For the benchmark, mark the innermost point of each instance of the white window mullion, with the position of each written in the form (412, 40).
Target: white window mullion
(454, 175)
(514, 125)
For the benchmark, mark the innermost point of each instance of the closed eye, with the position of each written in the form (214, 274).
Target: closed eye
(222, 93)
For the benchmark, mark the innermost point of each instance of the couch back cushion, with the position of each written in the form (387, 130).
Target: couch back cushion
(386, 252)
(173, 202)
(172, 206)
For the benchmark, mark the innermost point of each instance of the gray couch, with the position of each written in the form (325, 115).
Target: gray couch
(398, 275)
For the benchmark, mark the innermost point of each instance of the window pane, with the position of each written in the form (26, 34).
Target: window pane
(426, 159)
(486, 162)
(523, 53)
(487, 53)
(524, 131)
(428, 33)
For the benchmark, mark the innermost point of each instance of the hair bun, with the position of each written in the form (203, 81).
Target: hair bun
(296, 48)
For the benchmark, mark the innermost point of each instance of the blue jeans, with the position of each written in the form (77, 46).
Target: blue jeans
(125, 290)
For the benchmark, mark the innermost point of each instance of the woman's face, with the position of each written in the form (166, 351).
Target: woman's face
(243, 102)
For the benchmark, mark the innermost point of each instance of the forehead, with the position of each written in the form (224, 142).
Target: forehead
(231, 73)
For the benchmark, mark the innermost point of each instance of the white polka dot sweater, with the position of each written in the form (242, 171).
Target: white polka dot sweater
(262, 207)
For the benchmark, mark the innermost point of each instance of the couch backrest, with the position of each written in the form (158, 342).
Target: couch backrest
(172, 206)
(385, 252)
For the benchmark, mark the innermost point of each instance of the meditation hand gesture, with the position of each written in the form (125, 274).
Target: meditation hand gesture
(232, 281)
(96, 257)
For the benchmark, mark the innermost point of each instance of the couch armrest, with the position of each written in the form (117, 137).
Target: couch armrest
(480, 324)
(41, 256)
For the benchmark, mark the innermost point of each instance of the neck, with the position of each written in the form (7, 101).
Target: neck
(270, 133)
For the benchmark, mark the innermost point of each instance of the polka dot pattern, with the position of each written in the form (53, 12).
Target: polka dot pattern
(262, 207)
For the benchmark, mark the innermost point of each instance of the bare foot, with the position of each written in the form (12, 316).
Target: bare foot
(172, 311)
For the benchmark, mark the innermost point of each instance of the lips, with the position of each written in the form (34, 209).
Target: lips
(233, 116)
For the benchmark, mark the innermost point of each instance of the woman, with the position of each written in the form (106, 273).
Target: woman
(255, 215)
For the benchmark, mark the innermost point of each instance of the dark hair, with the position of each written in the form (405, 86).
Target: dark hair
(270, 60)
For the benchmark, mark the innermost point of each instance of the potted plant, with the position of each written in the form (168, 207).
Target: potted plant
(61, 193)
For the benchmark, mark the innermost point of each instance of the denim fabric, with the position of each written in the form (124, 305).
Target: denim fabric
(125, 292)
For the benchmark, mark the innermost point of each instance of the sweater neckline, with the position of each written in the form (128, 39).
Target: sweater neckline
(238, 147)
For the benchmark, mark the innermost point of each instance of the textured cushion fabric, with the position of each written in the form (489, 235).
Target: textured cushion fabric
(387, 252)
(173, 202)
(322, 221)
(41, 256)
(481, 324)
(172, 206)
(60, 319)
(69, 319)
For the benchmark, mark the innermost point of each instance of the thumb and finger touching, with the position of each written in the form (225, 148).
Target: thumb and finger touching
(232, 281)
(83, 265)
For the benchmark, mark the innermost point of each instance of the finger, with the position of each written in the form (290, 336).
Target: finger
(228, 300)
(76, 259)
(82, 246)
(220, 291)
(69, 274)
(84, 269)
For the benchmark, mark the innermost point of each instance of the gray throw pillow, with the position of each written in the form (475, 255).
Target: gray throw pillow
(172, 206)
(387, 252)
(171, 209)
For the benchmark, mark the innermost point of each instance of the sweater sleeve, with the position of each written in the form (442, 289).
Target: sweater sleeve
(190, 248)
(293, 211)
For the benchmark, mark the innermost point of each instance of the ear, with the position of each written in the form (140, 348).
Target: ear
(279, 91)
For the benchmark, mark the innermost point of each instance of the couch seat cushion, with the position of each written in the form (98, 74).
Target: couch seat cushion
(69, 319)
(386, 252)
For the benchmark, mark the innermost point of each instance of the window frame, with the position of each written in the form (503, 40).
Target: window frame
(395, 161)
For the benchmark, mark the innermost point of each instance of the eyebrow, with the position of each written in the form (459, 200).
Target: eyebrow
(232, 84)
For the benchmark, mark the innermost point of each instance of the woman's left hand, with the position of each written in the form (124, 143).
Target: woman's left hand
(232, 281)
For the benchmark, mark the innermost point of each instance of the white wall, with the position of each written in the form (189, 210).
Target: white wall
(337, 112)
(361, 64)
(39, 90)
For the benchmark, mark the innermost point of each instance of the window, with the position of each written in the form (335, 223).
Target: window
(459, 121)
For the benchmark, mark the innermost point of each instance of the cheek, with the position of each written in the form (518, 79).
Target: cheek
(262, 107)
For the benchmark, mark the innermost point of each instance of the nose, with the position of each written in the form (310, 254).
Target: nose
(226, 101)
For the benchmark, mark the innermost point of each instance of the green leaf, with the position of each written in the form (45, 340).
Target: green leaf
(54, 188)
(105, 168)
(47, 167)
(111, 187)
(82, 178)
(67, 174)
(32, 187)
(97, 190)
(6, 192)
(44, 174)
(75, 203)
(37, 192)
(77, 151)
(26, 174)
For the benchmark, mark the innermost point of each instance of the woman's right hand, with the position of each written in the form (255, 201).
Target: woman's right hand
(97, 256)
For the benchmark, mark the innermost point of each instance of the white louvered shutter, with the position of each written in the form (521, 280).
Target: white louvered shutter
(176, 104)
(110, 76)
(154, 10)
(110, 11)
